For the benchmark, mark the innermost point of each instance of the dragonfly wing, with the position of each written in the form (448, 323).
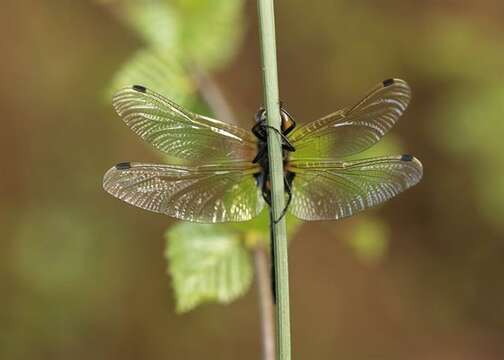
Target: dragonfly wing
(354, 129)
(179, 132)
(327, 190)
(205, 194)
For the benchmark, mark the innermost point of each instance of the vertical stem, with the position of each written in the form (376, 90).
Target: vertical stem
(265, 304)
(270, 83)
(219, 105)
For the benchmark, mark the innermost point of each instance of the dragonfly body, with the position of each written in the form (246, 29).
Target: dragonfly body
(225, 171)
(260, 130)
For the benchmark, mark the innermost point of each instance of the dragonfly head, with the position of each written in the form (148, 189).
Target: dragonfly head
(286, 118)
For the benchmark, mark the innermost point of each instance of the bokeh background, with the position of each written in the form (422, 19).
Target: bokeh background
(83, 276)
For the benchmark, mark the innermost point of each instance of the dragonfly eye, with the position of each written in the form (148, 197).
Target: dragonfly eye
(261, 115)
(287, 121)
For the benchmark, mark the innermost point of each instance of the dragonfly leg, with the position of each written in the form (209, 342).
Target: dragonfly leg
(288, 146)
(266, 193)
(287, 183)
(285, 143)
(260, 154)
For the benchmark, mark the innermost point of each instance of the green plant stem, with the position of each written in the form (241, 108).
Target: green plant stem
(212, 94)
(279, 232)
(265, 299)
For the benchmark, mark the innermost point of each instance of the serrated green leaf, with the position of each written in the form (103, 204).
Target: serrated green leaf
(202, 32)
(208, 263)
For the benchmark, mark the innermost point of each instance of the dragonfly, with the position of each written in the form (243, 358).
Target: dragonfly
(223, 173)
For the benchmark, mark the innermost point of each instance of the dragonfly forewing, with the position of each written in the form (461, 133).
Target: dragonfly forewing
(180, 133)
(353, 129)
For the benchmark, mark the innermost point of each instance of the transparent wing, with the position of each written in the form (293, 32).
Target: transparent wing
(206, 194)
(333, 189)
(179, 132)
(354, 129)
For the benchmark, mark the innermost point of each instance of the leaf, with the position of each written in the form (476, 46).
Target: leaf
(207, 263)
(203, 33)
(158, 72)
(211, 263)
(211, 30)
(155, 21)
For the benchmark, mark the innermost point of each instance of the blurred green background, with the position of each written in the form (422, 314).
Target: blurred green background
(83, 276)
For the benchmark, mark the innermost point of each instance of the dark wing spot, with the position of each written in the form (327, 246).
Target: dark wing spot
(139, 88)
(123, 166)
(406, 157)
(388, 82)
